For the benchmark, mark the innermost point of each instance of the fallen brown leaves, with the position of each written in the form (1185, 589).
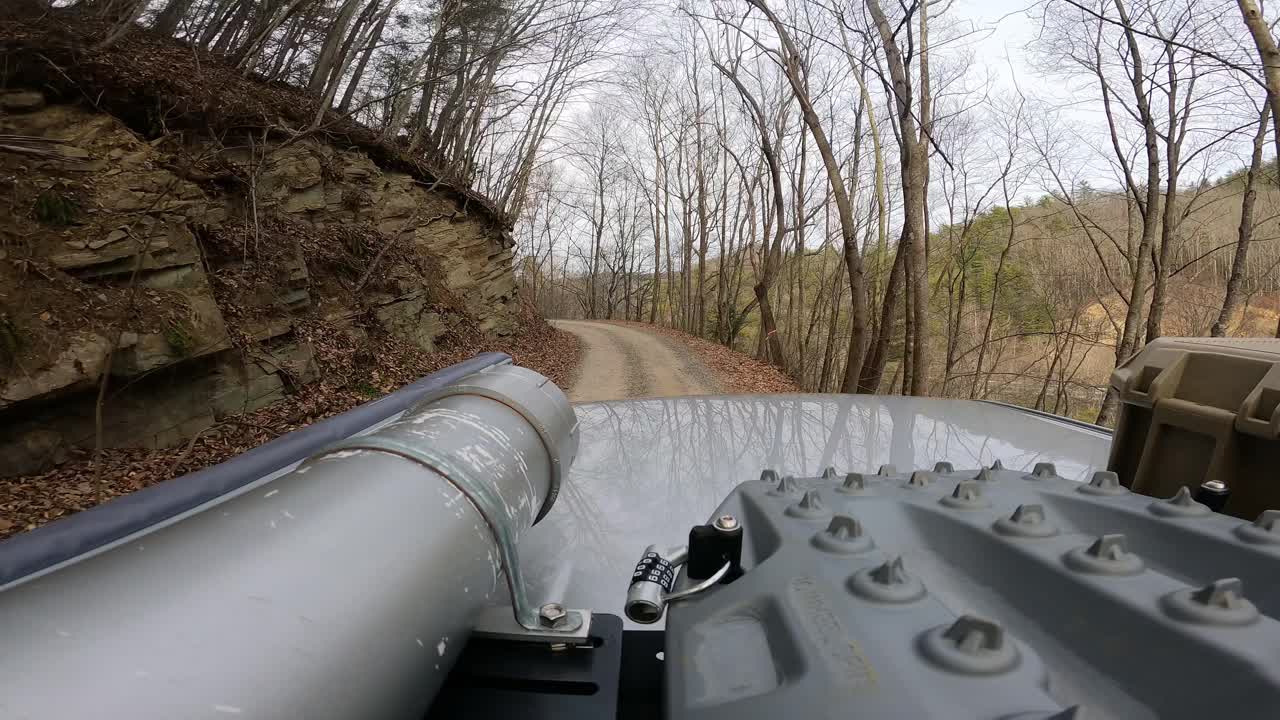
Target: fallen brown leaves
(552, 352)
(29, 501)
(736, 371)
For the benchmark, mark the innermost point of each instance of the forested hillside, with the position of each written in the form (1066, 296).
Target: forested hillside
(874, 199)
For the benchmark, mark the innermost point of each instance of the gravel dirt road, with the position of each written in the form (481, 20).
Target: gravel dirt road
(626, 362)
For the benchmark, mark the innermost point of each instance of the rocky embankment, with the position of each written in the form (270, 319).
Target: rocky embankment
(211, 273)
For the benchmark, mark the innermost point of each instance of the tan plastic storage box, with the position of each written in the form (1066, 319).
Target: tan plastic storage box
(1197, 410)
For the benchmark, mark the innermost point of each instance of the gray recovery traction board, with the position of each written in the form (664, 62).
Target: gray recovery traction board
(981, 594)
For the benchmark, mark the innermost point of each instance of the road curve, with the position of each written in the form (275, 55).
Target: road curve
(625, 361)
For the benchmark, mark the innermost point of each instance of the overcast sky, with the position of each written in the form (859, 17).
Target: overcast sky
(1008, 30)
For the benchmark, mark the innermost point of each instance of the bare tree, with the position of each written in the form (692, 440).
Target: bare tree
(1265, 43)
(1231, 299)
(914, 118)
(773, 251)
(789, 59)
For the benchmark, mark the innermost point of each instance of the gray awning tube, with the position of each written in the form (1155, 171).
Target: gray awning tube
(345, 588)
(58, 541)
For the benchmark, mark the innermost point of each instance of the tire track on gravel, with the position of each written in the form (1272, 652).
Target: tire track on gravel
(627, 362)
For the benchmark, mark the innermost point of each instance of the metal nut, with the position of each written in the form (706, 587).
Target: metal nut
(552, 615)
(726, 523)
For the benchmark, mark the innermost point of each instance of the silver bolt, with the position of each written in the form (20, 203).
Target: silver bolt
(1214, 486)
(726, 523)
(552, 615)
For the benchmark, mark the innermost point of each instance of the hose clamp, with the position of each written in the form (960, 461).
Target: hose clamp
(538, 401)
(486, 500)
(541, 404)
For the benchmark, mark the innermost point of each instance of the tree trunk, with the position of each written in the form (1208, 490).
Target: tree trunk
(219, 26)
(908, 323)
(995, 295)
(917, 212)
(913, 158)
(167, 20)
(1244, 233)
(356, 33)
(1149, 207)
(878, 353)
(825, 378)
(791, 63)
(772, 255)
(270, 19)
(283, 59)
(1175, 134)
(356, 75)
(1270, 55)
(400, 106)
(126, 14)
(657, 234)
(227, 33)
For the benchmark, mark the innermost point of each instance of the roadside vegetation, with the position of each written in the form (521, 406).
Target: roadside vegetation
(863, 195)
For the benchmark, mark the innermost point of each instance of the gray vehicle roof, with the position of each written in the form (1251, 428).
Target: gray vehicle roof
(648, 470)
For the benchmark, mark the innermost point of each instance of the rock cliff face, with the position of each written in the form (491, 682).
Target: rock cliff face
(202, 271)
